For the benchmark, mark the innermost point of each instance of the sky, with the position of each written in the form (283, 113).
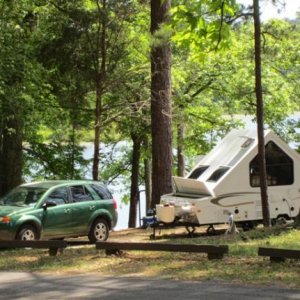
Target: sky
(270, 11)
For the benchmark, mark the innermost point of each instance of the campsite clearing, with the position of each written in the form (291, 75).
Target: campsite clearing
(242, 265)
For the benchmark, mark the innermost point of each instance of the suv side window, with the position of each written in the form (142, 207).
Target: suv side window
(102, 191)
(59, 196)
(80, 193)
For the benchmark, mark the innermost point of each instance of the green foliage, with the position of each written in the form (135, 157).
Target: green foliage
(202, 25)
(278, 89)
(55, 160)
(116, 163)
(115, 167)
(21, 77)
(297, 221)
(210, 87)
(263, 233)
(50, 59)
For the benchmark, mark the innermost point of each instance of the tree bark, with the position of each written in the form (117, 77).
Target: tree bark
(260, 118)
(161, 116)
(99, 79)
(147, 177)
(134, 190)
(180, 149)
(98, 111)
(11, 157)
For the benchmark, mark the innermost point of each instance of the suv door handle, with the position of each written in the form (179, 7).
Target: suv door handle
(67, 210)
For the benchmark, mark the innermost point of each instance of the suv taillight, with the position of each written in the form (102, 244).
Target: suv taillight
(115, 203)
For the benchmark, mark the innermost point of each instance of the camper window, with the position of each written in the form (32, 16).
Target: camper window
(280, 167)
(216, 175)
(198, 172)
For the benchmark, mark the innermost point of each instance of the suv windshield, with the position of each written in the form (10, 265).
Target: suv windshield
(23, 196)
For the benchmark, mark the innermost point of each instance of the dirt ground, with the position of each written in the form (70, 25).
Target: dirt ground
(141, 234)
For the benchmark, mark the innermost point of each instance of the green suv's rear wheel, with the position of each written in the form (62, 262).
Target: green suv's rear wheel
(27, 233)
(99, 231)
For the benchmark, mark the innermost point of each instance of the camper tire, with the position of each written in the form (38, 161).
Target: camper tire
(280, 220)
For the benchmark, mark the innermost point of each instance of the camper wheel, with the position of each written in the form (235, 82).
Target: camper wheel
(280, 220)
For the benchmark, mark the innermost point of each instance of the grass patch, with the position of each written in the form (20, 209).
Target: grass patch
(242, 265)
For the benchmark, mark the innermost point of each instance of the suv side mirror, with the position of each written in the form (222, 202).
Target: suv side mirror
(48, 203)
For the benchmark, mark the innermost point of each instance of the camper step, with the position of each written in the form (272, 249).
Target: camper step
(278, 255)
(213, 251)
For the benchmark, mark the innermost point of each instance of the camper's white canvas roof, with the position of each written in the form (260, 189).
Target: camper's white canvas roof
(228, 155)
(228, 150)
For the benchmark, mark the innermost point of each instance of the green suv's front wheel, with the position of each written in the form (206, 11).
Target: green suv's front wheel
(99, 231)
(27, 233)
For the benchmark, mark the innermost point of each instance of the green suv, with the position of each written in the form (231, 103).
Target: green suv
(57, 209)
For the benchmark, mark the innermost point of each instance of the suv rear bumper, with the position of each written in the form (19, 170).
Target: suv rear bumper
(114, 220)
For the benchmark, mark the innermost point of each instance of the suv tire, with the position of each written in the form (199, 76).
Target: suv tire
(27, 233)
(99, 231)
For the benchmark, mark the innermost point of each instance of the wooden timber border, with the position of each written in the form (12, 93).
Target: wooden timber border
(278, 255)
(52, 245)
(213, 251)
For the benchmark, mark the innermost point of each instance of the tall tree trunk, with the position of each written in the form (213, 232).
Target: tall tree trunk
(97, 134)
(161, 115)
(99, 79)
(260, 118)
(147, 176)
(180, 149)
(11, 158)
(73, 141)
(148, 185)
(134, 190)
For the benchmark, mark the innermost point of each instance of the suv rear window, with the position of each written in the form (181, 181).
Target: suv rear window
(102, 191)
(80, 193)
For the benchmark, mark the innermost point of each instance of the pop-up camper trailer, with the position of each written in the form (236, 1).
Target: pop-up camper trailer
(226, 182)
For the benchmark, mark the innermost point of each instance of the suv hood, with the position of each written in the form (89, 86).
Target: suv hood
(7, 210)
